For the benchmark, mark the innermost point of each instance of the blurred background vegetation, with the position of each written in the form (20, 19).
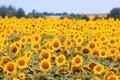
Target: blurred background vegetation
(10, 11)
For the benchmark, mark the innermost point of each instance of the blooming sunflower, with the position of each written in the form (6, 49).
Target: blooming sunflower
(77, 60)
(45, 65)
(117, 58)
(102, 53)
(45, 54)
(21, 62)
(10, 68)
(113, 77)
(56, 43)
(60, 60)
(98, 69)
(28, 54)
(95, 78)
(22, 76)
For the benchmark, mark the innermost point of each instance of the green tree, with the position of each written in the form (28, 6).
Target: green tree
(20, 13)
(115, 13)
(3, 11)
(34, 14)
(10, 11)
(85, 17)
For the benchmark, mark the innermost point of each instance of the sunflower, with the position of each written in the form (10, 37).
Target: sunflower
(98, 69)
(6, 59)
(102, 39)
(61, 72)
(78, 48)
(91, 46)
(36, 38)
(23, 40)
(15, 78)
(112, 51)
(28, 54)
(102, 53)
(68, 43)
(91, 65)
(79, 40)
(22, 76)
(112, 41)
(14, 50)
(113, 77)
(45, 65)
(86, 50)
(10, 68)
(49, 46)
(29, 39)
(60, 60)
(95, 78)
(21, 62)
(5, 42)
(45, 54)
(77, 60)
(35, 46)
(117, 58)
(56, 44)
(107, 73)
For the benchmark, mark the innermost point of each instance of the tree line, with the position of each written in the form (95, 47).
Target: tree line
(10, 11)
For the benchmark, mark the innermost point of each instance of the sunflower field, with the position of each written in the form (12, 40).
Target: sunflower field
(59, 49)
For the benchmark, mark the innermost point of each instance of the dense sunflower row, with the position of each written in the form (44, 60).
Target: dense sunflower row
(59, 49)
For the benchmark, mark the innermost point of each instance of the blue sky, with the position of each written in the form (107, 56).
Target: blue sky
(69, 6)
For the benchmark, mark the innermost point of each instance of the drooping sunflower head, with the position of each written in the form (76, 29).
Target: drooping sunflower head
(6, 59)
(68, 43)
(14, 50)
(91, 65)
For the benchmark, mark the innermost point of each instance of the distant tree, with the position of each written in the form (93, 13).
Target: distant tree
(96, 17)
(34, 14)
(3, 11)
(20, 13)
(85, 17)
(10, 11)
(65, 14)
(115, 13)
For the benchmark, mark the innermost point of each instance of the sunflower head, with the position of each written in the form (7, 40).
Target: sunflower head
(77, 60)
(10, 68)
(21, 62)
(98, 69)
(60, 60)
(45, 65)
(45, 54)
(22, 76)
(113, 77)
